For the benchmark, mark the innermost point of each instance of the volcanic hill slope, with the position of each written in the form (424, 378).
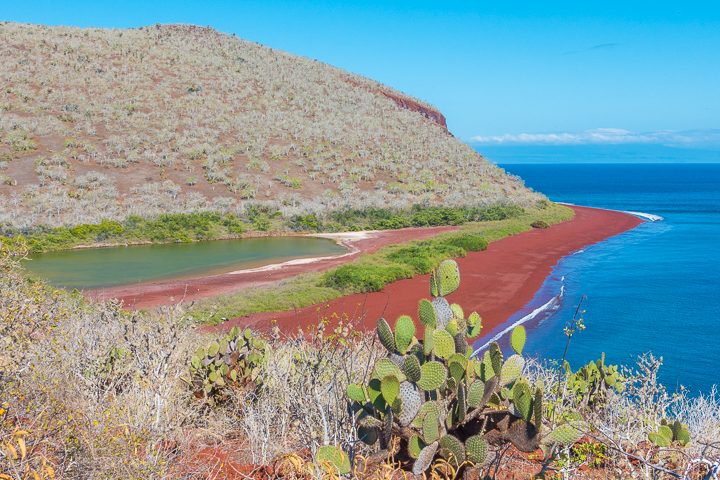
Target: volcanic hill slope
(108, 123)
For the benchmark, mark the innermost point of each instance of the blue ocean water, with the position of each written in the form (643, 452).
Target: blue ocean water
(653, 289)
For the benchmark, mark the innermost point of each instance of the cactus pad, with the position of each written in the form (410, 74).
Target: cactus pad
(476, 449)
(410, 403)
(446, 279)
(512, 369)
(496, 357)
(333, 459)
(411, 368)
(474, 325)
(457, 311)
(425, 408)
(517, 339)
(432, 376)
(453, 327)
(461, 405)
(538, 408)
(385, 335)
(452, 450)
(475, 393)
(404, 333)
(681, 434)
(390, 388)
(356, 393)
(425, 458)
(444, 345)
(567, 433)
(430, 427)
(426, 313)
(415, 446)
(428, 344)
(443, 312)
(385, 367)
(658, 439)
(457, 365)
(522, 400)
(461, 345)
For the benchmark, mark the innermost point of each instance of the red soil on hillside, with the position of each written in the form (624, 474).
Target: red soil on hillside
(496, 282)
(173, 291)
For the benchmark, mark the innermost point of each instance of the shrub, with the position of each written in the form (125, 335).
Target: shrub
(425, 255)
(539, 224)
(469, 242)
(365, 277)
(500, 212)
(309, 222)
(234, 360)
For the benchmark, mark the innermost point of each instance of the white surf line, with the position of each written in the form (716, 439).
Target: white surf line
(646, 216)
(554, 300)
(551, 303)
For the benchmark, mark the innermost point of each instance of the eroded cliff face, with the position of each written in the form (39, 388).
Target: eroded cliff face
(415, 106)
(402, 101)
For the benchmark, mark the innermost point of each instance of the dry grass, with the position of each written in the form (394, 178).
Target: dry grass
(107, 123)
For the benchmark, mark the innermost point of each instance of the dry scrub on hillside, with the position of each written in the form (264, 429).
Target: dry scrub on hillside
(107, 123)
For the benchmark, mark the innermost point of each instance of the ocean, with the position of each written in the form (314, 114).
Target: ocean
(653, 289)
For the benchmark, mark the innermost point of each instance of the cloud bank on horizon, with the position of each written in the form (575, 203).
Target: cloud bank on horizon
(606, 136)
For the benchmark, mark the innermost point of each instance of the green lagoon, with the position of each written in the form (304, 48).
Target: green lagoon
(105, 267)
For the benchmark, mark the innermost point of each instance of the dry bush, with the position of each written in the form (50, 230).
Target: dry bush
(97, 390)
(621, 425)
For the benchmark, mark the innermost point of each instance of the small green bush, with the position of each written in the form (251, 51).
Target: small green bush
(309, 222)
(469, 242)
(426, 255)
(365, 277)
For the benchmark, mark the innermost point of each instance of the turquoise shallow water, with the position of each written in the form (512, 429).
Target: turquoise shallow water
(653, 289)
(103, 267)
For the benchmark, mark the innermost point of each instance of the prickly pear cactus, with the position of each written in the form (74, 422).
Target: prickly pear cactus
(234, 359)
(669, 433)
(440, 398)
(592, 383)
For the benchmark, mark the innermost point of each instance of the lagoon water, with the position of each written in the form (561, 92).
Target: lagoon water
(653, 289)
(104, 267)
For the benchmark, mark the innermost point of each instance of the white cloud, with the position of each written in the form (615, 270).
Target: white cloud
(604, 136)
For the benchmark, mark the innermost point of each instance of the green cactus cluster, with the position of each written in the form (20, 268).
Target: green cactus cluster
(439, 398)
(670, 433)
(591, 383)
(234, 359)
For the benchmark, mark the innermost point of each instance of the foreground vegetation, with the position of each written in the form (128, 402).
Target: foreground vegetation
(107, 124)
(90, 391)
(372, 272)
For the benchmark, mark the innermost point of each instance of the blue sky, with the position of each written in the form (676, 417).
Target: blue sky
(565, 72)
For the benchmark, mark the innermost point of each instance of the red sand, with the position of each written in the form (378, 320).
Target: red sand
(153, 294)
(496, 282)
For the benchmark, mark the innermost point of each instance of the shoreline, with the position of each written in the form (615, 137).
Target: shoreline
(498, 283)
(171, 291)
(549, 296)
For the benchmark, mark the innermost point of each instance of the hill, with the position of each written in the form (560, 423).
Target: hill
(170, 118)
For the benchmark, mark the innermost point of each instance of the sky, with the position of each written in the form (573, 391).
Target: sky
(503, 72)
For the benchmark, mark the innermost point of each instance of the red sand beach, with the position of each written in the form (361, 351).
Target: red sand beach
(168, 292)
(496, 282)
